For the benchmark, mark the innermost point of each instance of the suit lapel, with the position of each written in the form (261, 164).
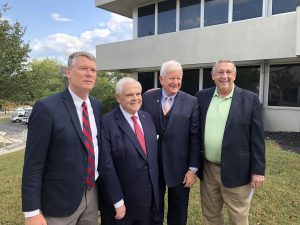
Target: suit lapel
(205, 102)
(235, 103)
(123, 124)
(177, 105)
(157, 109)
(68, 101)
(97, 113)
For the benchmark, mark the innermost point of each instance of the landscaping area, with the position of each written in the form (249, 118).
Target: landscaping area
(276, 203)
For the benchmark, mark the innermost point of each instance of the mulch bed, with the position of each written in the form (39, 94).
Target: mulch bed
(289, 141)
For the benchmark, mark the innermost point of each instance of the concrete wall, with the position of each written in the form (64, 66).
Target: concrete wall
(255, 39)
(282, 119)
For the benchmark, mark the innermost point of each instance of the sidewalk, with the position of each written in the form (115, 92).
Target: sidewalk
(12, 144)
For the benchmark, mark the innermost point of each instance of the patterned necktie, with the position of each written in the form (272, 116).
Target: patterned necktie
(88, 140)
(167, 105)
(139, 133)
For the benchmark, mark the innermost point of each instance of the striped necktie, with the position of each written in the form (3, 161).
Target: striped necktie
(88, 140)
(167, 105)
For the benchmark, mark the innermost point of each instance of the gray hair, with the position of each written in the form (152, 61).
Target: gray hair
(74, 55)
(170, 66)
(223, 61)
(126, 80)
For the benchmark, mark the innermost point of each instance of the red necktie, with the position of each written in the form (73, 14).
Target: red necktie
(88, 140)
(139, 133)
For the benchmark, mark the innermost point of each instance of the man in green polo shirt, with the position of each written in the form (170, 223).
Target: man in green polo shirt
(234, 147)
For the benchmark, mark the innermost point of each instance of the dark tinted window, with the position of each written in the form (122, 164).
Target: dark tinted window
(284, 85)
(147, 80)
(246, 9)
(280, 6)
(166, 16)
(146, 16)
(207, 81)
(189, 14)
(190, 81)
(215, 12)
(248, 78)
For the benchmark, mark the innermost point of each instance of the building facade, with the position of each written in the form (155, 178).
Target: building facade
(262, 37)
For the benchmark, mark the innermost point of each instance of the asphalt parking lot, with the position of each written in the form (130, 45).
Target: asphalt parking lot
(13, 130)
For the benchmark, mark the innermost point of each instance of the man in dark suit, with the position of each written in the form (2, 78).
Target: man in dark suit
(234, 147)
(129, 159)
(61, 156)
(176, 116)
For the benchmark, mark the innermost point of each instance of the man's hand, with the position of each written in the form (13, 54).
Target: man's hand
(36, 220)
(257, 181)
(120, 212)
(190, 179)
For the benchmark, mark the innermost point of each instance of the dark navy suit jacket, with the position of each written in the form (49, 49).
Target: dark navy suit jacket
(243, 147)
(180, 141)
(55, 157)
(126, 171)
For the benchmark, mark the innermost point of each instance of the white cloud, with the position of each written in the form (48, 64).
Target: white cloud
(58, 17)
(60, 45)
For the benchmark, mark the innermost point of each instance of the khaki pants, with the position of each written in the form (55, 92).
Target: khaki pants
(86, 214)
(214, 195)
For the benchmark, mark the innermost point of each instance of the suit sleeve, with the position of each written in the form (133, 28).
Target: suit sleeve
(38, 139)
(195, 136)
(258, 160)
(107, 172)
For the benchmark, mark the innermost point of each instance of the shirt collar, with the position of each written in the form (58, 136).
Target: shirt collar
(127, 114)
(164, 95)
(77, 100)
(228, 96)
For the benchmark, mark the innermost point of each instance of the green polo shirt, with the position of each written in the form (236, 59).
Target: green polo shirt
(215, 123)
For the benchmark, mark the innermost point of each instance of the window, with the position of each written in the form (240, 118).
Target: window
(284, 85)
(146, 20)
(147, 80)
(246, 9)
(247, 77)
(215, 12)
(189, 14)
(279, 6)
(207, 80)
(166, 16)
(190, 81)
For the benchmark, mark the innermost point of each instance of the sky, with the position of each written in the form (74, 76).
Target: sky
(56, 28)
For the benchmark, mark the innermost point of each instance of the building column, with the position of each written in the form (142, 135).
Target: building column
(298, 29)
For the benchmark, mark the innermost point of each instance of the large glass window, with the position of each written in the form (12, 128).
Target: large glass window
(146, 20)
(284, 85)
(190, 81)
(147, 80)
(207, 80)
(280, 6)
(166, 16)
(246, 9)
(247, 77)
(189, 14)
(215, 12)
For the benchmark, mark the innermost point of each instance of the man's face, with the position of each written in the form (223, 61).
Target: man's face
(130, 98)
(82, 76)
(224, 77)
(171, 82)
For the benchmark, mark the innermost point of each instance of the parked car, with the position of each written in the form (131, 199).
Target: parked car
(17, 118)
(26, 116)
(25, 120)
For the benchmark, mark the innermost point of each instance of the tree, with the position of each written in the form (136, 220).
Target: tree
(13, 55)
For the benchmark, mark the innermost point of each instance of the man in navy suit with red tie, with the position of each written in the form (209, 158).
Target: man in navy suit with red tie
(128, 159)
(176, 117)
(61, 156)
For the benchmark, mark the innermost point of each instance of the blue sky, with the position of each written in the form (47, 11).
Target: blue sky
(55, 28)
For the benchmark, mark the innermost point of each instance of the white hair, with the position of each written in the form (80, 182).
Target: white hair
(223, 61)
(126, 80)
(170, 66)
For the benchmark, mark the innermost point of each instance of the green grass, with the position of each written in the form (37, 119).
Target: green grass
(277, 203)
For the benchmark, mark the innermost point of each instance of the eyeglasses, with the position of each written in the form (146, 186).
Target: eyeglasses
(223, 72)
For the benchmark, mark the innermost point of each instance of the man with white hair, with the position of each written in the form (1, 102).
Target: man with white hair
(128, 160)
(176, 117)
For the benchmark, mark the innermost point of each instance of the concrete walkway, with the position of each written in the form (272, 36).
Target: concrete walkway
(11, 144)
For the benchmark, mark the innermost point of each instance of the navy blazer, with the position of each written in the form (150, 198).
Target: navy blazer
(243, 146)
(126, 171)
(55, 157)
(180, 140)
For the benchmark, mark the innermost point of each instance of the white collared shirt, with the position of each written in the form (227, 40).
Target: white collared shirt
(128, 116)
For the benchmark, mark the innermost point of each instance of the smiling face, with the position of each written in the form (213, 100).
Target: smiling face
(171, 82)
(224, 76)
(130, 97)
(82, 76)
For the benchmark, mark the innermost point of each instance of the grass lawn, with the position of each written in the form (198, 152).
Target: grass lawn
(277, 203)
